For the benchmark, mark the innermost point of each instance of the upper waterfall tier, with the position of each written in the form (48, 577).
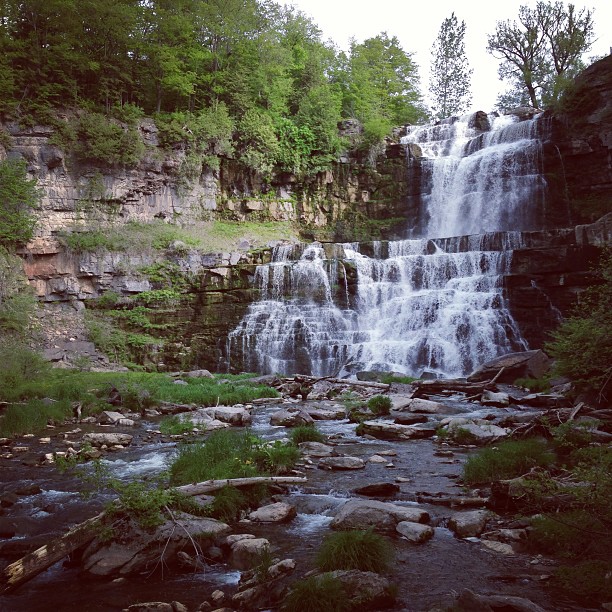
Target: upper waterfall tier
(480, 175)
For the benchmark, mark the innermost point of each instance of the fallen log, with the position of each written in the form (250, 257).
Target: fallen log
(32, 564)
(423, 388)
(312, 380)
(452, 500)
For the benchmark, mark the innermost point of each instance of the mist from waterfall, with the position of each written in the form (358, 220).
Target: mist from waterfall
(433, 303)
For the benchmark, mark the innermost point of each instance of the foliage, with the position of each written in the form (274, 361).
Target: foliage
(542, 50)
(315, 594)
(18, 365)
(571, 436)
(352, 400)
(33, 416)
(101, 140)
(508, 459)
(275, 457)
(173, 425)
(389, 379)
(582, 344)
(18, 199)
(588, 580)
(534, 385)
(306, 433)
(259, 147)
(450, 77)
(360, 550)
(380, 404)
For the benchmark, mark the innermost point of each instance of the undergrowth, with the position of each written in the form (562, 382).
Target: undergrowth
(359, 550)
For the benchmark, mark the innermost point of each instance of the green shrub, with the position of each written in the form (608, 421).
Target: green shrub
(33, 416)
(18, 365)
(506, 460)
(570, 436)
(535, 385)
(589, 581)
(582, 345)
(389, 379)
(360, 550)
(316, 594)
(19, 197)
(306, 433)
(572, 534)
(144, 502)
(275, 457)
(351, 400)
(174, 426)
(101, 140)
(380, 404)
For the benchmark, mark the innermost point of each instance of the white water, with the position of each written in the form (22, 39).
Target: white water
(428, 304)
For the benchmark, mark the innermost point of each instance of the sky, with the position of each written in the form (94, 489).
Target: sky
(416, 25)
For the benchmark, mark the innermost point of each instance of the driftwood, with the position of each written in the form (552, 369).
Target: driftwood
(452, 501)
(435, 387)
(32, 564)
(310, 381)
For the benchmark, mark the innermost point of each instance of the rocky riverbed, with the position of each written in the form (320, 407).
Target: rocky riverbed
(399, 478)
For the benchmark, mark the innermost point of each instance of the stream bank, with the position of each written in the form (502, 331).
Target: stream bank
(427, 575)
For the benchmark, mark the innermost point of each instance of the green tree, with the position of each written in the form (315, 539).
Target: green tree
(18, 199)
(541, 50)
(582, 345)
(381, 80)
(450, 71)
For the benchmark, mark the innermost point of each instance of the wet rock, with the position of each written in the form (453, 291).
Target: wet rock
(544, 400)
(138, 550)
(8, 499)
(419, 405)
(382, 516)
(110, 439)
(463, 432)
(415, 532)
(341, 463)
(490, 398)
(378, 489)
(525, 364)
(198, 374)
(291, 417)
(316, 449)
(469, 601)
(237, 416)
(385, 430)
(279, 512)
(237, 537)
(365, 590)
(246, 552)
(109, 417)
(151, 606)
(27, 489)
(8, 528)
(327, 414)
(498, 547)
(408, 418)
(468, 524)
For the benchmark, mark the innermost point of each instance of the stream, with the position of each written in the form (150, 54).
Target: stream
(427, 575)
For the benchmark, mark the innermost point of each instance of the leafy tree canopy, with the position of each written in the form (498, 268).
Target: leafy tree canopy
(541, 51)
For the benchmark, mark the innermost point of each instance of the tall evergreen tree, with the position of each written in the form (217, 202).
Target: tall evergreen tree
(451, 74)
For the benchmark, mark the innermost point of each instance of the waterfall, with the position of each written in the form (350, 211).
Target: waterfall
(433, 302)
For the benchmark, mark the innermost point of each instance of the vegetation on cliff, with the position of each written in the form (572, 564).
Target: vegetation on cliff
(254, 79)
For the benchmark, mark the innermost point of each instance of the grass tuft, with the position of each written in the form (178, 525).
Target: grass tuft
(306, 433)
(317, 594)
(508, 459)
(360, 550)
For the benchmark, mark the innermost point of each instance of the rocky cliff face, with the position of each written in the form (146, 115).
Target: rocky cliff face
(358, 199)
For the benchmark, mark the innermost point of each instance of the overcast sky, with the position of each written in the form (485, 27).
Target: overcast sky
(416, 25)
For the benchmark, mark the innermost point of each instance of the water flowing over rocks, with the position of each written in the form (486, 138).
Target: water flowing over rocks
(381, 516)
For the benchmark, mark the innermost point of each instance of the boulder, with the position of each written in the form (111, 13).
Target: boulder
(237, 416)
(198, 374)
(474, 433)
(385, 430)
(247, 552)
(316, 449)
(382, 516)
(526, 364)
(110, 439)
(378, 489)
(472, 602)
(469, 524)
(498, 400)
(291, 417)
(327, 414)
(365, 590)
(138, 550)
(341, 463)
(408, 418)
(109, 417)
(418, 404)
(414, 532)
(280, 512)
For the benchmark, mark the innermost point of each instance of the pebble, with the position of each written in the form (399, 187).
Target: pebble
(389, 465)
(402, 479)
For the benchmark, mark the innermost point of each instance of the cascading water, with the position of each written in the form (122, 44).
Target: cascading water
(433, 302)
